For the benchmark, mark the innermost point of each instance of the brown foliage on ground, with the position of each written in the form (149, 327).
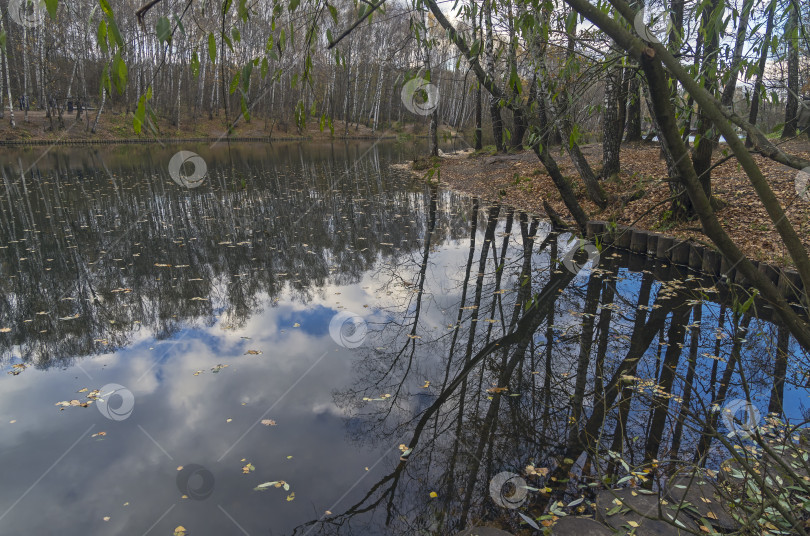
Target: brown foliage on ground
(520, 180)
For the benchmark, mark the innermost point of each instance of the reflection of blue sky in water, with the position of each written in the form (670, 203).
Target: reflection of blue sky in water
(182, 419)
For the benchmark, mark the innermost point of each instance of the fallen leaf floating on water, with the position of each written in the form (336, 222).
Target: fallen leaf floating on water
(17, 368)
(99, 435)
(291, 497)
(253, 352)
(106, 518)
(268, 422)
(247, 469)
(198, 372)
(433, 494)
(228, 419)
(273, 484)
(427, 384)
(537, 471)
(405, 452)
(218, 368)
(384, 397)
(180, 531)
(5, 330)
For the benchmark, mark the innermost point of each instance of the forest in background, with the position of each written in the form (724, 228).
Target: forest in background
(270, 60)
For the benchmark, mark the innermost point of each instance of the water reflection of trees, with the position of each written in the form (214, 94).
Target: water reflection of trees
(526, 362)
(97, 248)
(577, 375)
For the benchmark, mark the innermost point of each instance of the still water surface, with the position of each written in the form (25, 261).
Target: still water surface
(203, 318)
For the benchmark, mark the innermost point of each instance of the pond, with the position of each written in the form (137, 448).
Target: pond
(305, 340)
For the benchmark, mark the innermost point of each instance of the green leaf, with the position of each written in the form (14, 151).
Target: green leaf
(247, 70)
(121, 74)
(164, 30)
(293, 5)
(234, 83)
(101, 36)
(264, 68)
(113, 31)
(212, 47)
(52, 6)
(236, 35)
(106, 8)
(105, 82)
(180, 24)
(140, 115)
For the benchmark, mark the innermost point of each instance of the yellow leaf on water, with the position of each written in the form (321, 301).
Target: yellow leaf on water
(433, 494)
(268, 422)
(180, 531)
(179, 467)
(291, 496)
(106, 518)
(633, 524)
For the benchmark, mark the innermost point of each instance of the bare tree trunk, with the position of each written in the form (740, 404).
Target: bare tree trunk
(792, 102)
(494, 106)
(736, 61)
(633, 110)
(763, 58)
(611, 124)
(100, 109)
(26, 67)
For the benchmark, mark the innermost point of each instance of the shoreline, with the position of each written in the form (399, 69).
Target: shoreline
(519, 180)
(168, 141)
